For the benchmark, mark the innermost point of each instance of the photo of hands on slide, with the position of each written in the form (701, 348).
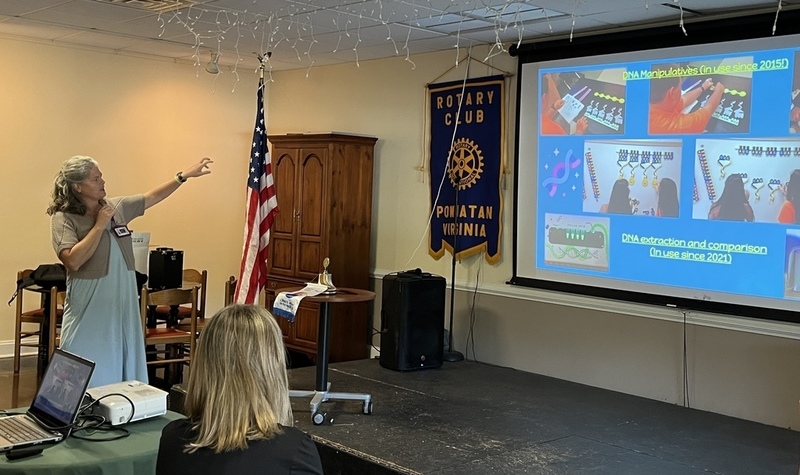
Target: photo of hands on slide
(583, 103)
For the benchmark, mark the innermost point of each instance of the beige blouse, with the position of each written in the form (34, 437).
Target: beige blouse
(68, 229)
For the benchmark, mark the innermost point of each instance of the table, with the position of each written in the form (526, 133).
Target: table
(135, 454)
(321, 392)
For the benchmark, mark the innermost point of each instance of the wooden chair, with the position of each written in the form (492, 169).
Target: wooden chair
(36, 317)
(173, 339)
(191, 278)
(230, 290)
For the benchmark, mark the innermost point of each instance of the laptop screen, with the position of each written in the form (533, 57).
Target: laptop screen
(61, 392)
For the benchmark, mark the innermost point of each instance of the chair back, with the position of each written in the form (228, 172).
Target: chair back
(21, 275)
(171, 297)
(154, 298)
(19, 308)
(196, 278)
(230, 290)
(41, 316)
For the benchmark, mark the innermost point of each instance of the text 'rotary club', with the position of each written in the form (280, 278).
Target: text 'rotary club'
(471, 111)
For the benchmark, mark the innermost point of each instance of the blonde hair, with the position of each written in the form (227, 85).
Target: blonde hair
(238, 387)
(73, 170)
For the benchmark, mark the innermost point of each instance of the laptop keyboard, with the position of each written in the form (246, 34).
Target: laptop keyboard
(16, 430)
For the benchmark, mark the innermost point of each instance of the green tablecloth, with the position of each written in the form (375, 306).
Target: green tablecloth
(135, 454)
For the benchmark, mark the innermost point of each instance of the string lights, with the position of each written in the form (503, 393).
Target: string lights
(292, 30)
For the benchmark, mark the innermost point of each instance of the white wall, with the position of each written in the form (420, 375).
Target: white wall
(143, 120)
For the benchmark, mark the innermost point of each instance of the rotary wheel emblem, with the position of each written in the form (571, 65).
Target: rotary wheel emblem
(466, 164)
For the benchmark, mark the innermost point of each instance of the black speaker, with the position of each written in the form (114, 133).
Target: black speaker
(166, 268)
(412, 321)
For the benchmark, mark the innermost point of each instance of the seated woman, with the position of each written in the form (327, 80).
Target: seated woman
(733, 205)
(791, 190)
(237, 400)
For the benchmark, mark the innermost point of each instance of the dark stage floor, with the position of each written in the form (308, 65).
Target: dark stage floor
(470, 418)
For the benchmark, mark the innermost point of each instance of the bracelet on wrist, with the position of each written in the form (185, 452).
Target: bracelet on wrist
(180, 179)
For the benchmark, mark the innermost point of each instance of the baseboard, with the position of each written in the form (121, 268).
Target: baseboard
(7, 349)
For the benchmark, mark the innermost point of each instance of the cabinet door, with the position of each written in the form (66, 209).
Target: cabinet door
(306, 326)
(312, 203)
(282, 237)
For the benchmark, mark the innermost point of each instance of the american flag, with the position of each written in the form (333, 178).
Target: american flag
(262, 206)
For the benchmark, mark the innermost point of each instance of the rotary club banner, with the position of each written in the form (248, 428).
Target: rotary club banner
(466, 215)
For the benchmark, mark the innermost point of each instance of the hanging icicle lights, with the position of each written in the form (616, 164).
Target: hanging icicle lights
(292, 30)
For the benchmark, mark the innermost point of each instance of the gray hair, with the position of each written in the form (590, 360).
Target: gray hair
(74, 170)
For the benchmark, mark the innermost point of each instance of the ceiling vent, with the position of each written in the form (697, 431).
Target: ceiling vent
(157, 6)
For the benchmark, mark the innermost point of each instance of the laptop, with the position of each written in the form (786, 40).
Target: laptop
(55, 406)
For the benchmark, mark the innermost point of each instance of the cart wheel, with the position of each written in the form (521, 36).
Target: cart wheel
(318, 418)
(367, 407)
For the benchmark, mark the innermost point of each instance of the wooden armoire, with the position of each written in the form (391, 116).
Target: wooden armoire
(323, 184)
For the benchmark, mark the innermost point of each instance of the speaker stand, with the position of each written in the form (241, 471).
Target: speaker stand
(451, 355)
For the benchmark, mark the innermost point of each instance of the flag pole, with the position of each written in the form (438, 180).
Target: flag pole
(262, 206)
(261, 59)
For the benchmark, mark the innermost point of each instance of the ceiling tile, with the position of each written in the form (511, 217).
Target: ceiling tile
(28, 29)
(148, 26)
(23, 7)
(328, 31)
(99, 40)
(78, 12)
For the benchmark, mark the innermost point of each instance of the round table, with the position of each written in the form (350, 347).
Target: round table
(321, 392)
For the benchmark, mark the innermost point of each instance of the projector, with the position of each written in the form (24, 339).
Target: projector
(147, 402)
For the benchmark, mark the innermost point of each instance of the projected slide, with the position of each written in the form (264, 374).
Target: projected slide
(794, 114)
(711, 95)
(743, 179)
(574, 241)
(583, 102)
(672, 172)
(632, 177)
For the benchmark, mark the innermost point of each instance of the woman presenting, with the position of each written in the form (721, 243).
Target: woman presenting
(91, 237)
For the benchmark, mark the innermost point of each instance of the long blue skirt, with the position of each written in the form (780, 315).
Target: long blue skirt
(102, 323)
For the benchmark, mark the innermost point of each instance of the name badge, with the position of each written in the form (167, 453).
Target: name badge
(121, 230)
